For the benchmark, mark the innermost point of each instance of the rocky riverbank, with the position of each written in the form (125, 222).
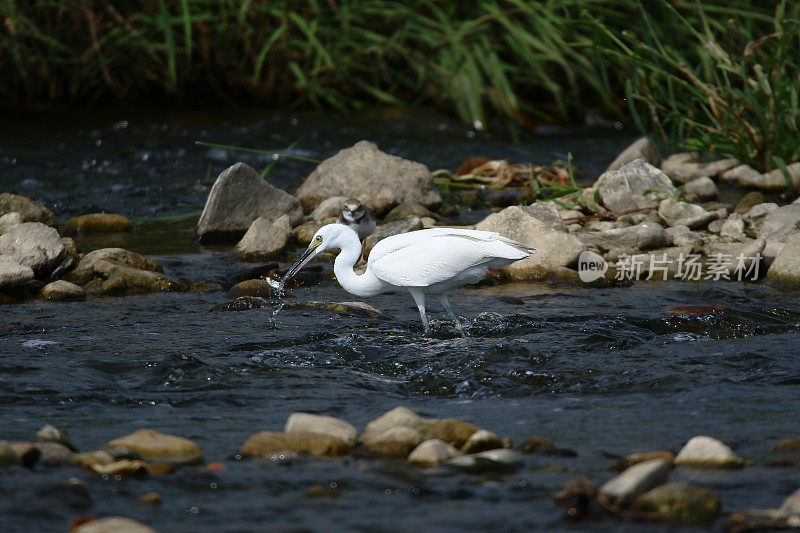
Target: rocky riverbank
(642, 491)
(643, 219)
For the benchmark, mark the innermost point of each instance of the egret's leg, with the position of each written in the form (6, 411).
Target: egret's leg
(446, 304)
(419, 298)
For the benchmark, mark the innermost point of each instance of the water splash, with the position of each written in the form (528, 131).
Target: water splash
(278, 287)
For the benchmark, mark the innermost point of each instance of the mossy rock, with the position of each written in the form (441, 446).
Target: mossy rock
(97, 223)
(314, 444)
(685, 502)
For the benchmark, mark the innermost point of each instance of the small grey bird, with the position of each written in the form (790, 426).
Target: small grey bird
(358, 217)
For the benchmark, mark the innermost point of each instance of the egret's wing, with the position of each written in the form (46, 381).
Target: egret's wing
(441, 257)
(396, 242)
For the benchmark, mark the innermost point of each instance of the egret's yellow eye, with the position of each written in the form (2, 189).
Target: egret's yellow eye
(319, 238)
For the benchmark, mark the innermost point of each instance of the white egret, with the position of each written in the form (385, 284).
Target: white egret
(425, 262)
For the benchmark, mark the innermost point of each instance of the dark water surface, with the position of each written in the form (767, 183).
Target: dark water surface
(604, 372)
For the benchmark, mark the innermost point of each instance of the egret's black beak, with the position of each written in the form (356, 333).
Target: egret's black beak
(307, 256)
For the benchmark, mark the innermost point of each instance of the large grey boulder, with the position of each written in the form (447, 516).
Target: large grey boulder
(554, 248)
(30, 210)
(642, 236)
(34, 245)
(12, 274)
(237, 198)
(779, 224)
(785, 269)
(677, 213)
(627, 188)
(377, 179)
(264, 239)
(642, 148)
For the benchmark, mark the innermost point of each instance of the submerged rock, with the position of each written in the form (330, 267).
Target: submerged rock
(635, 481)
(152, 445)
(554, 248)
(314, 444)
(264, 239)
(707, 452)
(643, 148)
(7, 454)
(238, 197)
(34, 245)
(432, 452)
(97, 223)
(375, 178)
(243, 303)
(324, 425)
(627, 188)
(91, 459)
(29, 210)
(398, 227)
(500, 460)
(62, 291)
(545, 446)
(343, 308)
(685, 502)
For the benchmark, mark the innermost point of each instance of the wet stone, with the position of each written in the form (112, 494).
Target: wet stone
(54, 453)
(27, 208)
(431, 453)
(314, 444)
(113, 524)
(685, 502)
(97, 223)
(325, 425)
(635, 481)
(501, 460)
(152, 445)
(707, 452)
(481, 441)
(62, 291)
(243, 303)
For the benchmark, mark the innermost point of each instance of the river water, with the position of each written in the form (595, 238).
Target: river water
(604, 372)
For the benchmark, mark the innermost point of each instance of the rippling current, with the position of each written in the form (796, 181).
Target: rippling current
(604, 372)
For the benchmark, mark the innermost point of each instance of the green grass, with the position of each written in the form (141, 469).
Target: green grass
(726, 83)
(716, 76)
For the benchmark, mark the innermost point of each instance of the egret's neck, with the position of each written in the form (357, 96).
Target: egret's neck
(364, 285)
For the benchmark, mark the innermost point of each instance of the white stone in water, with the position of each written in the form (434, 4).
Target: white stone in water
(635, 481)
(707, 451)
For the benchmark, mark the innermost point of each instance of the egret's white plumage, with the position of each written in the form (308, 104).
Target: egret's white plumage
(426, 262)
